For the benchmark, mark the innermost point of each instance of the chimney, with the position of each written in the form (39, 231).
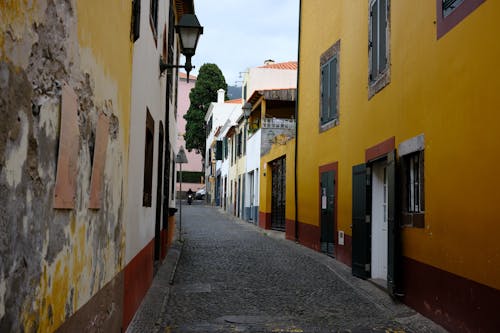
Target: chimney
(268, 62)
(220, 96)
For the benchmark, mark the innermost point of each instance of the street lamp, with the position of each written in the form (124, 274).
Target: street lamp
(189, 31)
(247, 109)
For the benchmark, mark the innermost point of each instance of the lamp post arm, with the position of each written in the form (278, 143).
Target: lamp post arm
(188, 67)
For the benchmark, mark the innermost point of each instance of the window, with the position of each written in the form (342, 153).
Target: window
(415, 183)
(153, 17)
(378, 46)
(329, 84)
(218, 150)
(170, 51)
(411, 161)
(450, 5)
(238, 144)
(136, 20)
(244, 139)
(225, 147)
(148, 160)
(452, 12)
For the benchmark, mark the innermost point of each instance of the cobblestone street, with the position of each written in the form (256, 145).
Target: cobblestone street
(235, 277)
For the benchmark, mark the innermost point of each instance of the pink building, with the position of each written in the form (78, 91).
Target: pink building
(195, 163)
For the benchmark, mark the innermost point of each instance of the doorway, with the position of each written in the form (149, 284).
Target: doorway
(252, 194)
(327, 202)
(379, 215)
(278, 194)
(159, 196)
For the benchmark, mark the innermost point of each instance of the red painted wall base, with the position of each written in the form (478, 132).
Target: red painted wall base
(456, 303)
(265, 220)
(138, 275)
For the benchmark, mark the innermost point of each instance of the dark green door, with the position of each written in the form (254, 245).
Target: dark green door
(327, 202)
(393, 236)
(361, 226)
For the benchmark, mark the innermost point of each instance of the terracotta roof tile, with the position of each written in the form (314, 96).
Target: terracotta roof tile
(234, 101)
(290, 65)
(183, 75)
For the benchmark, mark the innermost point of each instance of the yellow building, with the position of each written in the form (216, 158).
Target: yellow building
(272, 120)
(398, 129)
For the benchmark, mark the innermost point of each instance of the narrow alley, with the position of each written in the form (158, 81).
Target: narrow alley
(235, 277)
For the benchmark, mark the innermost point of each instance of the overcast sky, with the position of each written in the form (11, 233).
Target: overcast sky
(239, 34)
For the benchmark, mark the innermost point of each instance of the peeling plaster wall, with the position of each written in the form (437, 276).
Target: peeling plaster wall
(52, 262)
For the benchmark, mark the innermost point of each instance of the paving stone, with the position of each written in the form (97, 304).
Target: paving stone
(235, 277)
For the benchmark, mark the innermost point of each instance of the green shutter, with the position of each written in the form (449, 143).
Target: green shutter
(361, 226)
(218, 150)
(225, 148)
(393, 251)
(324, 93)
(383, 36)
(136, 19)
(333, 89)
(374, 40)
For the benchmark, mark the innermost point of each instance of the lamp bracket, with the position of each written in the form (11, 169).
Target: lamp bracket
(188, 67)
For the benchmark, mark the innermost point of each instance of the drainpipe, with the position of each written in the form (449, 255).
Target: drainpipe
(296, 128)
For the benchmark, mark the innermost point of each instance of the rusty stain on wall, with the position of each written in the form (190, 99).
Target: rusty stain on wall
(65, 190)
(52, 262)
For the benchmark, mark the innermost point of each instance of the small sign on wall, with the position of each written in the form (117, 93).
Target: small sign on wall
(323, 198)
(341, 237)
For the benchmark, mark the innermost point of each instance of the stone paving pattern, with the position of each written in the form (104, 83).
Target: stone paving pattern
(235, 277)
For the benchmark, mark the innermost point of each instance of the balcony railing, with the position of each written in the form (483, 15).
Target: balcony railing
(278, 123)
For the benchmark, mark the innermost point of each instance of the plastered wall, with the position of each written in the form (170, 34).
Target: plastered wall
(445, 88)
(53, 261)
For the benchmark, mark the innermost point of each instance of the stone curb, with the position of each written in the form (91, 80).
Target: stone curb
(148, 317)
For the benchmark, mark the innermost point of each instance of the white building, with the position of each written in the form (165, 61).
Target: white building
(150, 203)
(217, 115)
(270, 76)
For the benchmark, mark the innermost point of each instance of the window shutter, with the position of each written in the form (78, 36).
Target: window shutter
(136, 19)
(218, 150)
(393, 233)
(225, 148)
(333, 89)
(374, 40)
(324, 93)
(383, 24)
(361, 226)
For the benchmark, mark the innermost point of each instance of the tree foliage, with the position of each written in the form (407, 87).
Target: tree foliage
(210, 79)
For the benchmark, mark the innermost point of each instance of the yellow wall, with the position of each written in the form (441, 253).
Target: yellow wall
(446, 89)
(104, 31)
(277, 151)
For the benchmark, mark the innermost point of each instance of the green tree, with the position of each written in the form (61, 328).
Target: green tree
(210, 79)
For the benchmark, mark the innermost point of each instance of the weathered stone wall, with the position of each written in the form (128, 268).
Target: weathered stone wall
(54, 261)
(272, 136)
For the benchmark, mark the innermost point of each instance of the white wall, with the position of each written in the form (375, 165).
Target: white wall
(253, 164)
(266, 78)
(148, 91)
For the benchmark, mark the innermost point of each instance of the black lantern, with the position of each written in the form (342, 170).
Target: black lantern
(189, 31)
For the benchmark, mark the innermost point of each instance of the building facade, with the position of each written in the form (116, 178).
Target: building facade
(192, 171)
(150, 205)
(79, 218)
(394, 145)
